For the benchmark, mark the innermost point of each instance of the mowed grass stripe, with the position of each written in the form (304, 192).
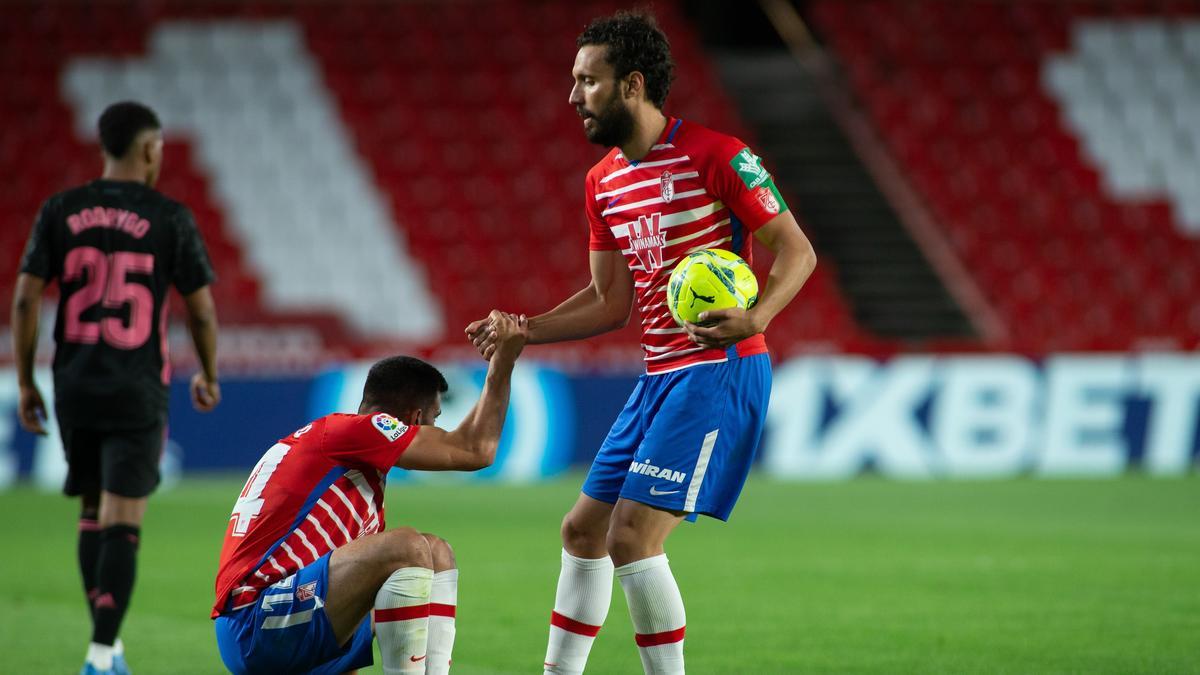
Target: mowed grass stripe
(867, 576)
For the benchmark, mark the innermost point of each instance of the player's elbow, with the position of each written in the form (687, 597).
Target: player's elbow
(805, 251)
(202, 317)
(201, 309)
(618, 315)
(23, 305)
(619, 321)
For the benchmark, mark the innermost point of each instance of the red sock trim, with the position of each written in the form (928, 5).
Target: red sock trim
(663, 638)
(401, 613)
(571, 625)
(438, 609)
(86, 525)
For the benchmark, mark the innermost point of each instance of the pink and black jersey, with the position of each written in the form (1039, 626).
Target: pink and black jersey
(313, 491)
(115, 248)
(696, 189)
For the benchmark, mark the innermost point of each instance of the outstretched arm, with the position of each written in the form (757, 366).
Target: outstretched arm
(602, 306)
(26, 310)
(202, 324)
(472, 445)
(794, 262)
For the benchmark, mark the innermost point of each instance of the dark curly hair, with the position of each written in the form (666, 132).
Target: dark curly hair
(635, 42)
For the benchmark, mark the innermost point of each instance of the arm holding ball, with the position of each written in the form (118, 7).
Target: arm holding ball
(794, 262)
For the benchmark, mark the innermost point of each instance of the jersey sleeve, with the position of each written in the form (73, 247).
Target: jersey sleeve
(736, 176)
(374, 441)
(601, 238)
(38, 258)
(193, 270)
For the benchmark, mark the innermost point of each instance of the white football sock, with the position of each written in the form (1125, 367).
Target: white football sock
(580, 606)
(100, 656)
(657, 612)
(443, 604)
(402, 619)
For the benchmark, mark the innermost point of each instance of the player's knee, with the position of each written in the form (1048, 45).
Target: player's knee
(407, 548)
(440, 552)
(624, 544)
(581, 538)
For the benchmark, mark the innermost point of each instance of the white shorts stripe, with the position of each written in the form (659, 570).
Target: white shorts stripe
(706, 449)
(274, 622)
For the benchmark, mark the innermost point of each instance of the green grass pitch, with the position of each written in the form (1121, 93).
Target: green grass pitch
(867, 576)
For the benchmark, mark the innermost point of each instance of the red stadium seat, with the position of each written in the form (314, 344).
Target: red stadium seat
(965, 111)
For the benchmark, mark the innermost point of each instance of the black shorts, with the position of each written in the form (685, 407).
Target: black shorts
(123, 462)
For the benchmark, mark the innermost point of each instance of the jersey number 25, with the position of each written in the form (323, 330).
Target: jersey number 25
(107, 283)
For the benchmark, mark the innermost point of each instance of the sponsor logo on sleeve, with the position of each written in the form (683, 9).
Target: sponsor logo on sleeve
(389, 426)
(749, 168)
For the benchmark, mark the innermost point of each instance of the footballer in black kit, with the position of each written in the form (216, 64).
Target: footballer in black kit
(115, 247)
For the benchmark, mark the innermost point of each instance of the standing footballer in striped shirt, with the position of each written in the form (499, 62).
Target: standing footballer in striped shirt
(684, 443)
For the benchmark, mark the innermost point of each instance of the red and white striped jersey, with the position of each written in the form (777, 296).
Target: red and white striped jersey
(313, 491)
(696, 189)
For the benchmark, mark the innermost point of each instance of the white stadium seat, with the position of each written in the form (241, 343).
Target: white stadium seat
(1142, 125)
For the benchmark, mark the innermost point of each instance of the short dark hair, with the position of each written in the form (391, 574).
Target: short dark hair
(120, 123)
(400, 383)
(635, 42)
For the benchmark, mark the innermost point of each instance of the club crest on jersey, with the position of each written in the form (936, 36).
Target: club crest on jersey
(667, 184)
(306, 591)
(647, 241)
(767, 199)
(389, 426)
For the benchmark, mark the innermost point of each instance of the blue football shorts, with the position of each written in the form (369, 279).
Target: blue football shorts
(287, 631)
(686, 439)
